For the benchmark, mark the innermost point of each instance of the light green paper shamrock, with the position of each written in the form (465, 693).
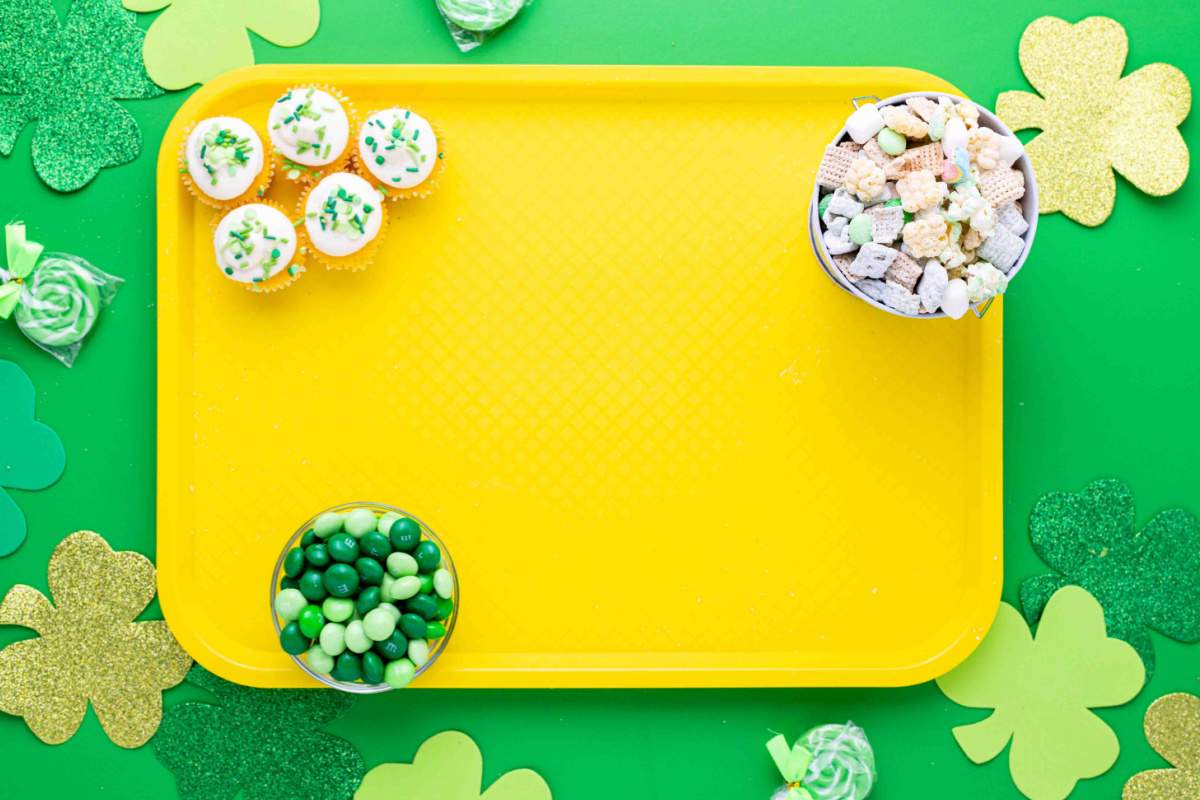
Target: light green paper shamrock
(194, 41)
(448, 766)
(1042, 690)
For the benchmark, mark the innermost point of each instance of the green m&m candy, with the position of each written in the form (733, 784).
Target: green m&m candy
(405, 534)
(312, 586)
(393, 647)
(317, 554)
(337, 609)
(348, 667)
(341, 580)
(413, 625)
(445, 608)
(435, 630)
(311, 621)
(428, 556)
(424, 604)
(308, 538)
(293, 563)
(368, 599)
(319, 660)
(372, 668)
(343, 547)
(292, 640)
(399, 674)
(375, 544)
(369, 570)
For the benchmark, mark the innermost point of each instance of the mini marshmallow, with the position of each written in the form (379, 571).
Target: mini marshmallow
(1011, 150)
(1002, 248)
(932, 286)
(864, 123)
(873, 260)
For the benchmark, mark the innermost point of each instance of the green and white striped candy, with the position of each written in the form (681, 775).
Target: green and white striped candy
(60, 302)
(480, 15)
(843, 763)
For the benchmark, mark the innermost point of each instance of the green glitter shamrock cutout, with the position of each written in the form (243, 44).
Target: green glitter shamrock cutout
(194, 41)
(31, 454)
(258, 744)
(1143, 579)
(66, 76)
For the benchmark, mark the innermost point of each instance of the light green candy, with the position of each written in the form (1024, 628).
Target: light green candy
(385, 587)
(401, 565)
(288, 604)
(406, 587)
(385, 522)
(333, 638)
(360, 521)
(399, 673)
(860, 233)
(418, 652)
(356, 637)
(891, 142)
(327, 524)
(319, 660)
(378, 624)
(480, 15)
(443, 583)
(392, 611)
(337, 609)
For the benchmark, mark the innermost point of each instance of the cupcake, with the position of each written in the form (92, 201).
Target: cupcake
(398, 150)
(343, 220)
(256, 246)
(310, 132)
(223, 163)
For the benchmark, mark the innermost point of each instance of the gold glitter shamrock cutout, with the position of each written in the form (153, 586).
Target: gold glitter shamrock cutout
(194, 41)
(1173, 730)
(1093, 120)
(449, 766)
(66, 76)
(89, 648)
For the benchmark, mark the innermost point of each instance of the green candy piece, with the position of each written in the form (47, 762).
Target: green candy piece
(293, 563)
(368, 600)
(319, 660)
(289, 583)
(359, 521)
(424, 604)
(369, 570)
(895, 201)
(385, 586)
(444, 609)
(312, 585)
(385, 522)
(333, 638)
(372, 668)
(348, 668)
(375, 544)
(391, 609)
(891, 142)
(426, 583)
(357, 640)
(60, 301)
(378, 624)
(860, 229)
(824, 204)
(401, 565)
(327, 524)
(480, 15)
(418, 652)
(308, 538)
(292, 639)
(406, 587)
(443, 583)
(311, 621)
(317, 555)
(399, 674)
(341, 580)
(435, 630)
(343, 547)
(405, 534)
(393, 647)
(289, 603)
(413, 626)
(428, 556)
(337, 609)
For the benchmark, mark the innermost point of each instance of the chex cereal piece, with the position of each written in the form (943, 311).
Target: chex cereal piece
(850, 145)
(872, 288)
(887, 221)
(1002, 186)
(873, 151)
(928, 156)
(904, 271)
(899, 298)
(843, 262)
(932, 286)
(873, 260)
(1002, 248)
(842, 204)
(1011, 218)
(837, 244)
(834, 165)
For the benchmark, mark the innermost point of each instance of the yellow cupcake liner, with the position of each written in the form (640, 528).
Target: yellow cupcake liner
(419, 192)
(355, 262)
(257, 188)
(285, 277)
(304, 174)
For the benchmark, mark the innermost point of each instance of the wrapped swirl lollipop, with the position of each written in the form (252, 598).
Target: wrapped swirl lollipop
(830, 762)
(55, 298)
(472, 22)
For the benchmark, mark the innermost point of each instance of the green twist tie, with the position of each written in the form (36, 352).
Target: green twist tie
(793, 765)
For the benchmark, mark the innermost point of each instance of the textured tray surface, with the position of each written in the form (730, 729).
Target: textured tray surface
(601, 362)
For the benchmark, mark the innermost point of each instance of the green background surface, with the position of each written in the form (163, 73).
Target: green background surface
(1101, 379)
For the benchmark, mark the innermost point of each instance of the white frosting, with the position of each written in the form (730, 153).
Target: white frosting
(254, 242)
(339, 226)
(398, 147)
(224, 157)
(309, 126)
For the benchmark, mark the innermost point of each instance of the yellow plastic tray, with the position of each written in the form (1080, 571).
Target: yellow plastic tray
(602, 363)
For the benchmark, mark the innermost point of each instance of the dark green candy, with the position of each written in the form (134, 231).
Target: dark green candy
(435, 630)
(413, 626)
(405, 534)
(372, 668)
(393, 647)
(289, 583)
(348, 667)
(293, 640)
(445, 607)
(426, 583)
(368, 599)
(293, 563)
(308, 538)
(375, 544)
(312, 586)
(343, 547)
(370, 570)
(317, 554)
(422, 604)
(428, 556)
(311, 621)
(341, 580)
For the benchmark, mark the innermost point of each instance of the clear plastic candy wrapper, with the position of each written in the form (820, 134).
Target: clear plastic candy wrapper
(829, 762)
(473, 22)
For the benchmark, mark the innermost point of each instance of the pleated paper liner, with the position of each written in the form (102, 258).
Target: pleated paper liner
(257, 188)
(289, 274)
(422, 190)
(355, 262)
(308, 175)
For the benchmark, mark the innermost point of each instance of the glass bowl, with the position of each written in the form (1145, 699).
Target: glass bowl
(426, 533)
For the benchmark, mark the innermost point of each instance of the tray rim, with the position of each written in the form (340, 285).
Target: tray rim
(757, 78)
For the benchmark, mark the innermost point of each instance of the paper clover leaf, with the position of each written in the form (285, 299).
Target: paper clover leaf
(258, 744)
(1041, 690)
(1143, 579)
(194, 41)
(31, 454)
(449, 766)
(1173, 729)
(89, 648)
(66, 76)
(1093, 120)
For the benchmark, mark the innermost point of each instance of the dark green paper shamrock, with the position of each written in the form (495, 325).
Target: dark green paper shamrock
(31, 454)
(66, 76)
(1147, 579)
(263, 743)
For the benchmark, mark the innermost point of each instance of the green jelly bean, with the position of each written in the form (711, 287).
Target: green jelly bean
(405, 534)
(393, 647)
(333, 638)
(348, 668)
(341, 580)
(311, 621)
(343, 548)
(327, 524)
(289, 603)
(375, 544)
(428, 556)
(356, 638)
(368, 599)
(392, 611)
(413, 626)
(293, 563)
(369, 570)
(317, 554)
(337, 609)
(359, 521)
(424, 604)
(435, 630)
(292, 640)
(378, 624)
(312, 585)
(372, 666)
(399, 674)
(426, 583)
(406, 587)
(308, 538)
(384, 525)
(443, 583)
(319, 660)
(418, 652)
(401, 565)
(289, 583)
(445, 608)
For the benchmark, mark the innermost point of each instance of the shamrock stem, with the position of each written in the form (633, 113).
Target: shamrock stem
(27, 607)
(984, 740)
